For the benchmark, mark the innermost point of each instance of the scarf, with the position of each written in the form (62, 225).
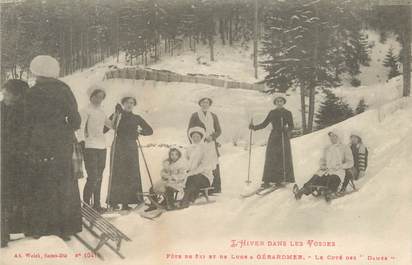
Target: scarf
(207, 120)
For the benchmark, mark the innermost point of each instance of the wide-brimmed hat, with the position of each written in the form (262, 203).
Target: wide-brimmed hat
(92, 90)
(279, 97)
(45, 66)
(205, 98)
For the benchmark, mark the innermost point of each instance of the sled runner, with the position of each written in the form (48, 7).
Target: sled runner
(323, 191)
(160, 209)
(103, 230)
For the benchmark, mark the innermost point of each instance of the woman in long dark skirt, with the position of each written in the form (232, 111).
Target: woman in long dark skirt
(125, 182)
(52, 117)
(13, 182)
(206, 119)
(278, 163)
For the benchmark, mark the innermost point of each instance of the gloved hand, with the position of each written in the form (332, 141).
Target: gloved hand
(118, 108)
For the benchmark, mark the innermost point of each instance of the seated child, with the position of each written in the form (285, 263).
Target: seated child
(173, 177)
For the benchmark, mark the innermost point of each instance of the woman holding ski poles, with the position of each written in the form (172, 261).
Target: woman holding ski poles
(125, 180)
(278, 163)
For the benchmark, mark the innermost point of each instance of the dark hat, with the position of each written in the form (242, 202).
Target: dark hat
(206, 98)
(282, 98)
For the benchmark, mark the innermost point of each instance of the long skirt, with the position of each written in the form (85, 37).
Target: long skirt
(54, 208)
(125, 182)
(278, 162)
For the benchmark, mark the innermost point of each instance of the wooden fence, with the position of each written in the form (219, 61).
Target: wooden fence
(167, 76)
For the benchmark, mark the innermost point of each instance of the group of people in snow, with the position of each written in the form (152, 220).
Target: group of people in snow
(339, 164)
(41, 128)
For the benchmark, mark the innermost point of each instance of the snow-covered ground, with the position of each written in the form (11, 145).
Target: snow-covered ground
(373, 221)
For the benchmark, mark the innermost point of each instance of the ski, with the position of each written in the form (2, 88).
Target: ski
(269, 190)
(261, 191)
(250, 194)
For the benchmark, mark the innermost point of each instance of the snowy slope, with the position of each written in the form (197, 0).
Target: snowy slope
(378, 210)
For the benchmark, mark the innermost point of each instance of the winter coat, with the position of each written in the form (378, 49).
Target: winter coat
(278, 162)
(52, 117)
(173, 175)
(125, 180)
(13, 164)
(91, 129)
(199, 161)
(335, 160)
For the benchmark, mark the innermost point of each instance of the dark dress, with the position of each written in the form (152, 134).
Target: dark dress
(125, 182)
(13, 183)
(52, 117)
(276, 170)
(196, 122)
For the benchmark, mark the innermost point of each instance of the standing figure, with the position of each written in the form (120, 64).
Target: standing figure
(52, 118)
(206, 119)
(278, 163)
(336, 159)
(13, 161)
(93, 142)
(126, 182)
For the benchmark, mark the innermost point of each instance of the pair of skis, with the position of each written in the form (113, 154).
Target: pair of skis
(262, 191)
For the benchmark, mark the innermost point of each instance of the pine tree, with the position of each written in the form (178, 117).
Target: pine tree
(362, 107)
(332, 110)
(391, 61)
(308, 43)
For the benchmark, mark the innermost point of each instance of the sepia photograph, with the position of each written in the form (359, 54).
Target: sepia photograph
(206, 132)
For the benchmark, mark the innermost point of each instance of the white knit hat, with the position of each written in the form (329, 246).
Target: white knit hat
(45, 66)
(197, 129)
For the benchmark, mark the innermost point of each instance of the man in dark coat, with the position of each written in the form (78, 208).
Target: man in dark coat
(206, 119)
(52, 117)
(278, 163)
(13, 184)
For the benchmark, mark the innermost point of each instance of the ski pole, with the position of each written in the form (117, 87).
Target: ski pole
(250, 154)
(145, 163)
(283, 149)
(112, 151)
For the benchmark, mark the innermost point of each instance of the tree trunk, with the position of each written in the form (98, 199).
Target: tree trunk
(407, 54)
(222, 30)
(311, 114)
(211, 44)
(230, 30)
(303, 108)
(313, 83)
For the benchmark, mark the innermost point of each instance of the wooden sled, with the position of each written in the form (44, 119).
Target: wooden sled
(101, 229)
